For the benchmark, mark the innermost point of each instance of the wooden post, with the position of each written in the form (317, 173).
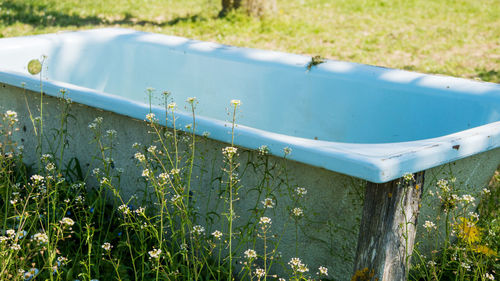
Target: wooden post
(388, 226)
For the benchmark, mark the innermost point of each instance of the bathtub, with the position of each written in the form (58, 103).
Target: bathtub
(345, 123)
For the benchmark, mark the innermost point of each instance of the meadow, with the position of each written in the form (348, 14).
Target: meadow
(61, 222)
(450, 37)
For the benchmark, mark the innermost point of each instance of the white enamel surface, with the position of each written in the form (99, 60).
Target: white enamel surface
(368, 122)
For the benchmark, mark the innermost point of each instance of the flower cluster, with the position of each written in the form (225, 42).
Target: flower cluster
(217, 234)
(67, 222)
(154, 254)
(140, 157)
(263, 150)
(297, 265)
(300, 191)
(429, 225)
(408, 177)
(268, 203)
(198, 230)
(297, 212)
(229, 151)
(250, 254)
(41, 238)
(107, 246)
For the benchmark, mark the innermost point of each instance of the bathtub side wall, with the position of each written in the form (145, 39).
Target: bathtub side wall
(327, 234)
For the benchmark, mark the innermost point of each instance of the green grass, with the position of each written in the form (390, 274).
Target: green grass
(452, 37)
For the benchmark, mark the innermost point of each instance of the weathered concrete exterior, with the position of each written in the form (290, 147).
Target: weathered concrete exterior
(329, 231)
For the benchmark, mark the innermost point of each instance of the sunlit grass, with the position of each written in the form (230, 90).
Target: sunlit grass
(458, 38)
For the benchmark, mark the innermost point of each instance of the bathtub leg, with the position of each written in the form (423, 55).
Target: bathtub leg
(388, 226)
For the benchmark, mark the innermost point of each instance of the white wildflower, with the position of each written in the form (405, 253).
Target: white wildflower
(198, 230)
(62, 259)
(235, 103)
(163, 176)
(146, 173)
(302, 268)
(265, 221)
(443, 185)
(50, 166)
(139, 156)
(105, 180)
(322, 270)
(489, 276)
(229, 151)
(140, 211)
(12, 115)
(263, 150)
(37, 179)
(171, 106)
(176, 198)
(152, 149)
(297, 265)
(155, 253)
(259, 272)
(107, 246)
(67, 221)
(15, 247)
(124, 209)
(467, 198)
(465, 265)
(10, 232)
(41, 238)
(408, 177)
(250, 254)
(111, 133)
(294, 262)
(429, 225)
(301, 191)
(474, 215)
(150, 117)
(175, 172)
(217, 234)
(268, 203)
(297, 212)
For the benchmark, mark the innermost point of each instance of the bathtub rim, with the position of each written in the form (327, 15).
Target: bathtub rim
(380, 162)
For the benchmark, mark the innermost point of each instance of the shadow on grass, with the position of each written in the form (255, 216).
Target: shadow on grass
(489, 75)
(41, 15)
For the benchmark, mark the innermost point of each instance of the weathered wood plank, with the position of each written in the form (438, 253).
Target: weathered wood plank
(388, 226)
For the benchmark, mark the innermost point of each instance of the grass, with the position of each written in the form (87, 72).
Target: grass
(459, 38)
(452, 37)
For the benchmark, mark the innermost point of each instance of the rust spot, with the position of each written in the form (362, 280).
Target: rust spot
(456, 147)
(389, 195)
(417, 186)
